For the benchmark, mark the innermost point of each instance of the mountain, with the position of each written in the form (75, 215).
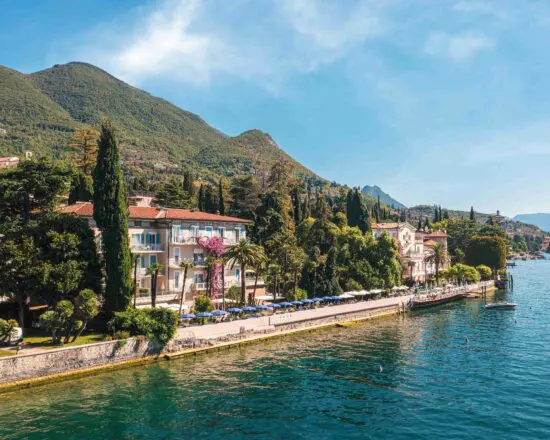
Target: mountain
(376, 191)
(39, 111)
(541, 220)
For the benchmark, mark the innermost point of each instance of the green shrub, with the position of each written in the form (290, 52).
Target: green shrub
(300, 294)
(155, 324)
(203, 304)
(6, 328)
(121, 334)
(485, 272)
(165, 323)
(352, 285)
(233, 293)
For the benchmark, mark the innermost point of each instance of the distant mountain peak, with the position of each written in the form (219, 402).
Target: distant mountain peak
(540, 219)
(375, 191)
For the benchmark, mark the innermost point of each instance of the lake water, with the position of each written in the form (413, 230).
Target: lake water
(457, 371)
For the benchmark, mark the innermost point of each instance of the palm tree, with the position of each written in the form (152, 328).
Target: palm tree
(273, 271)
(438, 256)
(185, 265)
(246, 254)
(297, 259)
(154, 271)
(259, 269)
(210, 262)
(410, 265)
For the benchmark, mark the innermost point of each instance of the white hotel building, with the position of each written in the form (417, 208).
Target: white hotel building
(414, 247)
(169, 236)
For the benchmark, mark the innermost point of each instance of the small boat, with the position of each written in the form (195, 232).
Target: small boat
(502, 305)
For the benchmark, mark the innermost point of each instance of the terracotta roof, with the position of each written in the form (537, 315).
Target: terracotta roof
(385, 225)
(436, 234)
(141, 212)
(9, 159)
(186, 214)
(430, 243)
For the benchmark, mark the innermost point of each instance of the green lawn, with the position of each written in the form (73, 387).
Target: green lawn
(36, 338)
(6, 353)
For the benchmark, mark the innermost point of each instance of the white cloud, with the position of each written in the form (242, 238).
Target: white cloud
(163, 44)
(459, 47)
(329, 27)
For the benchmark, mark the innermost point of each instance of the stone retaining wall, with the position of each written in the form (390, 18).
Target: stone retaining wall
(51, 362)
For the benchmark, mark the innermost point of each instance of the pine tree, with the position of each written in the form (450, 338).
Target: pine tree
(221, 199)
(472, 214)
(111, 217)
(85, 140)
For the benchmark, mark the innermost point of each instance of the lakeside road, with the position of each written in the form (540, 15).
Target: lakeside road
(454, 371)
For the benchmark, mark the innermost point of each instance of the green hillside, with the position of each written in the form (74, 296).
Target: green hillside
(30, 119)
(39, 111)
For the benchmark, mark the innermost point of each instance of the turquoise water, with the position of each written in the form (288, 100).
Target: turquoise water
(458, 371)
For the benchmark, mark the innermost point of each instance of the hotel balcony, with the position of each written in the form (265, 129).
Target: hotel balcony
(142, 248)
(227, 241)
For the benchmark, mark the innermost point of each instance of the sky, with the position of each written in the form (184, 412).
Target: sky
(436, 101)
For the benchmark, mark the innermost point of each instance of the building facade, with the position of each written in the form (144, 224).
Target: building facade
(415, 246)
(170, 236)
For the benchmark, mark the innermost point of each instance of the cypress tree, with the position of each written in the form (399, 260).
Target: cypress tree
(357, 212)
(306, 211)
(472, 214)
(210, 202)
(297, 205)
(188, 184)
(200, 199)
(111, 216)
(221, 199)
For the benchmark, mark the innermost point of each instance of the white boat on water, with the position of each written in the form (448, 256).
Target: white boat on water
(503, 305)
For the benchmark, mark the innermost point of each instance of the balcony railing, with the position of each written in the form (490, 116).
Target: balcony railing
(147, 247)
(228, 241)
(183, 240)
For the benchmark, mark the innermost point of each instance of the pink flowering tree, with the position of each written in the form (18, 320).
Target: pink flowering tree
(214, 247)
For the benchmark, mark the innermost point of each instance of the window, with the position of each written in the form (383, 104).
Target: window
(142, 283)
(137, 223)
(152, 260)
(237, 234)
(198, 278)
(136, 239)
(209, 230)
(198, 258)
(238, 274)
(221, 232)
(177, 254)
(142, 264)
(176, 280)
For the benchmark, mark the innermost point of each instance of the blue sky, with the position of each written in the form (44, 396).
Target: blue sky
(435, 101)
